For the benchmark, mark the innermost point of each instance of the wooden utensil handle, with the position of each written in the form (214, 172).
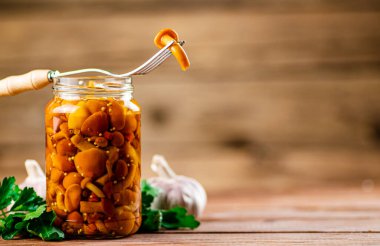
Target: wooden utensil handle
(33, 80)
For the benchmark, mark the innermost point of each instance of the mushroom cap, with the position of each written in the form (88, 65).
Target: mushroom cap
(130, 122)
(123, 213)
(116, 113)
(95, 105)
(71, 178)
(65, 148)
(166, 31)
(95, 124)
(75, 219)
(62, 163)
(91, 163)
(77, 117)
(72, 197)
(117, 139)
(121, 169)
(56, 175)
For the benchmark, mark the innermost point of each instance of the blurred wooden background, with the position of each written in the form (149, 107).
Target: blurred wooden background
(280, 94)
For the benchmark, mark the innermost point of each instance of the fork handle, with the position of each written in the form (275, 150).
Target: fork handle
(33, 80)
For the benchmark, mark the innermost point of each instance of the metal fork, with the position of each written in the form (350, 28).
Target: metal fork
(153, 62)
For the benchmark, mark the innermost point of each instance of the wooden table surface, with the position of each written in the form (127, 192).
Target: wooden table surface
(310, 217)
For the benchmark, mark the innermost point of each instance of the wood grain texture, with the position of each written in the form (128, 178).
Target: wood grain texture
(229, 239)
(339, 216)
(278, 95)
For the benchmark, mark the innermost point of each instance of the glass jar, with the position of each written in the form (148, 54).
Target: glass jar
(93, 150)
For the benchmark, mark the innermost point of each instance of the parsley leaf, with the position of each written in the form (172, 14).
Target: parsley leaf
(177, 217)
(148, 193)
(32, 215)
(27, 201)
(28, 216)
(151, 221)
(42, 226)
(9, 231)
(7, 192)
(148, 189)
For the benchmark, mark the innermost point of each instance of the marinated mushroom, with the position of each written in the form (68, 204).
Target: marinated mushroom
(102, 180)
(89, 229)
(72, 197)
(75, 220)
(96, 207)
(72, 178)
(126, 197)
(96, 105)
(95, 189)
(117, 139)
(81, 143)
(61, 200)
(95, 124)
(121, 170)
(84, 182)
(101, 227)
(113, 154)
(130, 122)
(62, 163)
(77, 117)
(116, 112)
(64, 128)
(101, 142)
(123, 213)
(165, 36)
(65, 148)
(124, 223)
(91, 163)
(56, 175)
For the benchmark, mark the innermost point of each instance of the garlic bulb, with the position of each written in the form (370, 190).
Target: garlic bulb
(176, 190)
(36, 178)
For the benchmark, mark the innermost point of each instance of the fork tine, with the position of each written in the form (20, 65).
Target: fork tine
(159, 62)
(152, 66)
(155, 63)
(148, 62)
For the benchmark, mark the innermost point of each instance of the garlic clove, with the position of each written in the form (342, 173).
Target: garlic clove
(36, 178)
(176, 190)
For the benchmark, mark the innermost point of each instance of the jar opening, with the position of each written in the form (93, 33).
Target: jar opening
(103, 86)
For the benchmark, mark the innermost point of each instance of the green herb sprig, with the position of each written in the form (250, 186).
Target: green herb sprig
(27, 217)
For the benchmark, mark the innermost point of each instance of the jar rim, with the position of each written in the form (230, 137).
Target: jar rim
(73, 79)
(101, 85)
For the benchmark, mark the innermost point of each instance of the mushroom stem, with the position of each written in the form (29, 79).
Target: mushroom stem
(161, 167)
(95, 189)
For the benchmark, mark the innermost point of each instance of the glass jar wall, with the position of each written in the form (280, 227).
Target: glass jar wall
(93, 157)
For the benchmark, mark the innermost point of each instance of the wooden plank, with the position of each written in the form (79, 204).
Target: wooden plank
(333, 113)
(313, 210)
(154, 5)
(233, 169)
(311, 49)
(293, 225)
(226, 239)
(304, 216)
